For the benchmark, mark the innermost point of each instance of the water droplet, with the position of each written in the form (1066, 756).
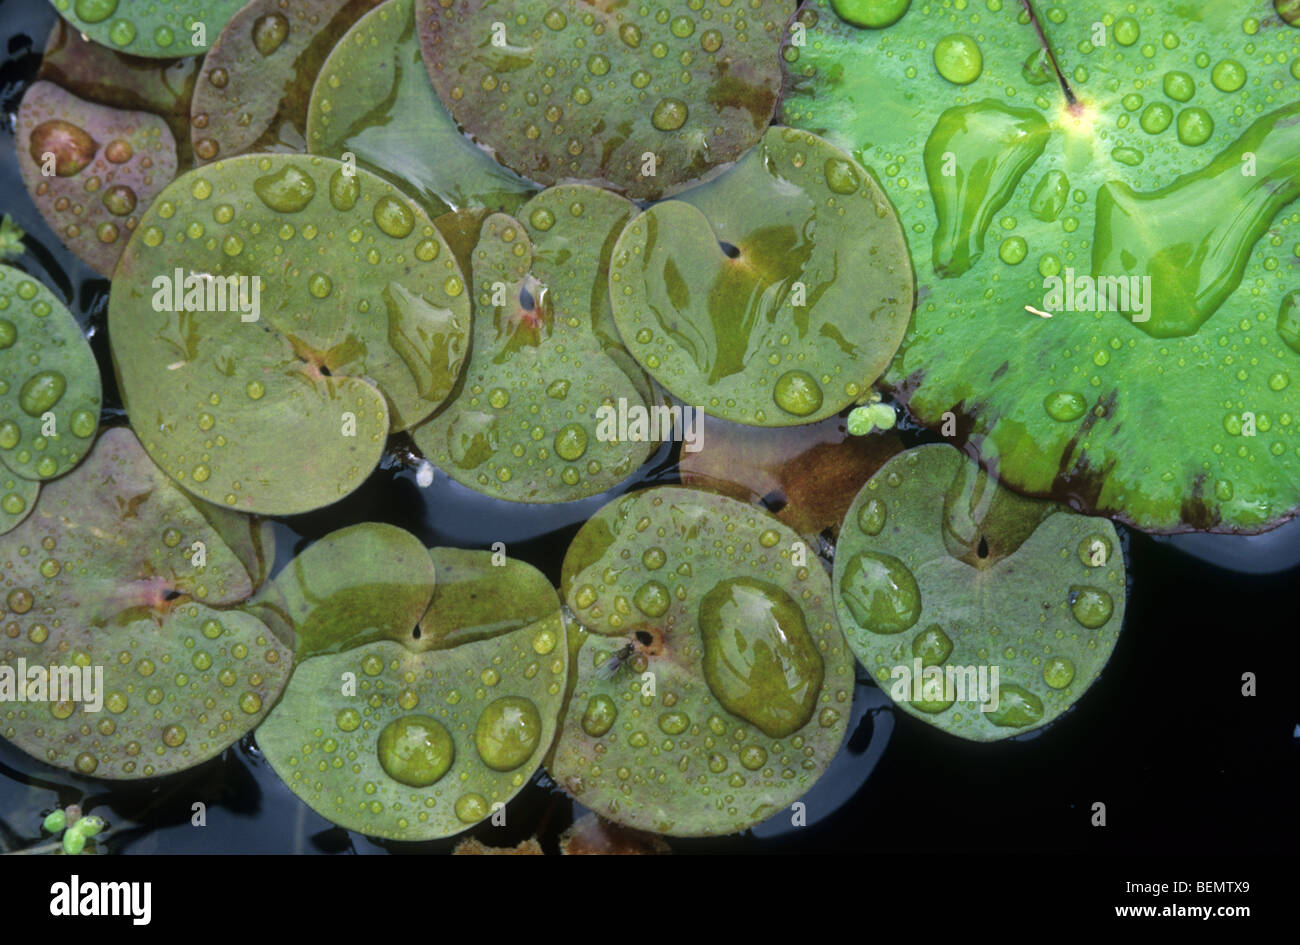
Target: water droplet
(394, 217)
(71, 146)
(1017, 707)
(269, 32)
(570, 442)
(1058, 672)
(797, 392)
(599, 716)
(652, 599)
(1179, 86)
(349, 720)
(841, 178)
(541, 219)
(958, 58)
(255, 390)
(289, 190)
(1095, 550)
(415, 750)
(872, 14)
(669, 115)
(932, 645)
(507, 732)
(320, 285)
(8, 333)
(1228, 76)
(1195, 126)
(759, 659)
(173, 736)
(1065, 406)
(880, 592)
(1091, 606)
(1156, 118)
(871, 516)
(471, 808)
(41, 392)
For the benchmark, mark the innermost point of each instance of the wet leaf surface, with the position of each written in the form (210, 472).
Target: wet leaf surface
(257, 78)
(101, 575)
(773, 296)
(415, 737)
(1170, 167)
(939, 569)
(154, 28)
(713, 688)
(575, 91)
(807, 476)
(105, 167)
(373, 98)
(526, 423)
(332, 362)
(49, 387)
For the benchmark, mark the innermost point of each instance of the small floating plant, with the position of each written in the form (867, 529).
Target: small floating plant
(342, 232)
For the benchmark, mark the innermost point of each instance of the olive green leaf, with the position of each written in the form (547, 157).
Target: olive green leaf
(415, 731)
(49, 385)
(1104, 255)
(156, 28)
(572, 90)
(772, 296)
(256, 80)
(358, 324)
(535, 417)
(106, 575)
(943, 578)
(98, 74)
(713, 688)
(104, 168)
(373, 99)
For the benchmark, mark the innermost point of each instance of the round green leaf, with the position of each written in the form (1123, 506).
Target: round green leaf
(104, 168)
(943, 578)
(362, 321)
(418, 736)
(155, 28)
(49, 385)
(1148, 212)
(531, 421)
(740, 297)
(256, 80)
(571, 90)
(373, 99)
(103, 576)
(713, 688)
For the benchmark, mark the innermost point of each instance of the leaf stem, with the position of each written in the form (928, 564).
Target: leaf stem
(1070, 97)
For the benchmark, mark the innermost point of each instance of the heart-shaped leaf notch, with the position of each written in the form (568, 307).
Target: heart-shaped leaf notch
(49, 392)
(535, 416)
(981, 612)
(373, 99)
(714, 685)
(418, 707)
(272, 300)
(126, 593)
(573, 90)
(773, 296)
(257, 78)
(91, 170)
(1127, 171)
(157, 29)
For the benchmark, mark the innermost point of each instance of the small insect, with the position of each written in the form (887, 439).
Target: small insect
(615, 662)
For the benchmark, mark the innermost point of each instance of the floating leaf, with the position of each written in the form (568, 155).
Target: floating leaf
(362, 322)
(106, 166)
(423, 734)
(1157, 188)
(577, 91)
(98, 74)
(102, 577)
(257, 78)
(373, 99)
(740, 296)
(943, 579)
(535, 419)
(807, 475)
(49, 384)
(158, 28)
(714, 686)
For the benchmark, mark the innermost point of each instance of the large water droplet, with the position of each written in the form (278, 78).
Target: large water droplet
(507, 732)
(41, 392)
(759, 659)
(958, 58)
(71, 146)
(415, 750)
(798, 393)
(1065, 406)
(269, 32)
(880, 592)
(873, 14)
(1017, 707)
(600, 715)
(289, 190)
(669, 115)
(1091, 606)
